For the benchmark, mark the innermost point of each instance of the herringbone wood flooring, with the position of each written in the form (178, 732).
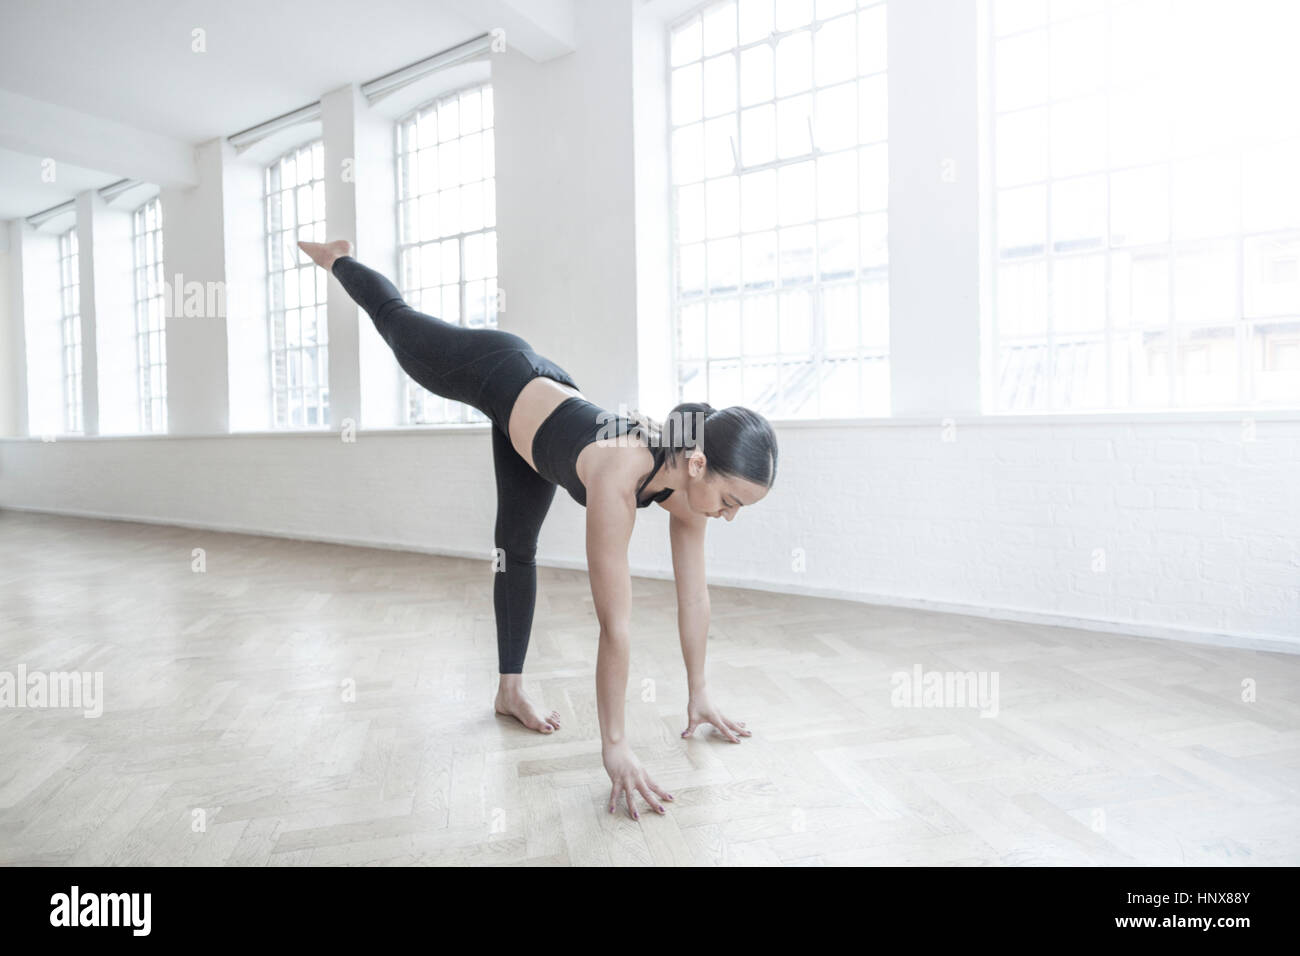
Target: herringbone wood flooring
(228, 735)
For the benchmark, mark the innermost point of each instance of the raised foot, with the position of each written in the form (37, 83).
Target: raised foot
(324, 253)
(518, 706)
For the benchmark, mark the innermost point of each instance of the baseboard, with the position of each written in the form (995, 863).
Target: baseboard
(1231, 639)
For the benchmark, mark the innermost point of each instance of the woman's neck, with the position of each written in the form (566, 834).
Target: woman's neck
(661, 478)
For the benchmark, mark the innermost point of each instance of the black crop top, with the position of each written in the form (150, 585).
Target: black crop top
(574, 425)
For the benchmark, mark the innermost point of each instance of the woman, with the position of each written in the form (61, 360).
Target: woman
(546, 434)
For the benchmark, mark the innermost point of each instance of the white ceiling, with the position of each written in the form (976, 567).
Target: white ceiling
(24, 189)
(132, 61)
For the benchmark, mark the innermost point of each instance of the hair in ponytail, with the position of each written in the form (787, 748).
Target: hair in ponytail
(740, 442)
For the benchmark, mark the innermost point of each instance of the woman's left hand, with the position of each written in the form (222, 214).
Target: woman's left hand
(700, 710)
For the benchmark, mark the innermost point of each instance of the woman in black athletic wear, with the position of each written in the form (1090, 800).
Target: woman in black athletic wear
(545, 433)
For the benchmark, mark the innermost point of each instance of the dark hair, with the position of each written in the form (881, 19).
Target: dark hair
(741, 442)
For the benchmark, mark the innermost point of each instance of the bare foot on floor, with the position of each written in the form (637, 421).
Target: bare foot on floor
(515, 703)
(324, 253)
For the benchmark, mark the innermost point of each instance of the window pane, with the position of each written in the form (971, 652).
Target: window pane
(793, 126)
(719, 84)
(686, 42)
(719, 27)
(1079, 295)
(1275, 362)
(1139, 206)
(1207, 366)
(756, 75)
(1022, 147)
(1078, 214)
(758, 135)
(836, 120)
(724, 327)
(756, 20)
(780, 209)
(760, 323)
(722, 206)
(1205, 284)
(759, 265)
(1021, 73)
(758, 200)
(835, 43)
(796, 192)
(1272, 277)
(687, 94)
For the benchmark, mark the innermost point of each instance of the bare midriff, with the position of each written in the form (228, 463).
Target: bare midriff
(533, 406)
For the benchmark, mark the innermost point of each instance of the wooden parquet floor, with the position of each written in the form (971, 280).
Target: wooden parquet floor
(299, 704)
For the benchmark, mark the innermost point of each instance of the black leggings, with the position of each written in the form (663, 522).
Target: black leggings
(486, 369)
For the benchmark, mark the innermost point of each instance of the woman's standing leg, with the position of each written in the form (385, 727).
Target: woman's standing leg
(457, 363)
(523, 499)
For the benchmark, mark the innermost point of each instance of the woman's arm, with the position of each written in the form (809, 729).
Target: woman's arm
(686, 531)
(610, 518)
(687, 537)
(611, 514)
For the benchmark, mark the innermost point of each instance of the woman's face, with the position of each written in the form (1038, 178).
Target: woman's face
(717, 496)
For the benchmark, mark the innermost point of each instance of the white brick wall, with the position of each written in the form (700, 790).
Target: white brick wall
(1176, 527)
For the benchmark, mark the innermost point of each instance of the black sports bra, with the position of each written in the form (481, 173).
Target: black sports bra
(574, 425)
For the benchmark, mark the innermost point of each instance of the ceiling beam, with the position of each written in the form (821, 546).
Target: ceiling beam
(540, 29)
(79, 139)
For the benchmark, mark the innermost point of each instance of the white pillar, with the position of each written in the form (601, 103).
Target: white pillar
(339, 109)
(934, 325)
(13, 340)
(86, 203)
(566, 203)
(360, 205)
(655, 323)
(248, 344)
(194, 268)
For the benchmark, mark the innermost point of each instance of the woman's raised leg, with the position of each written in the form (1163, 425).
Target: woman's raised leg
(447, 359)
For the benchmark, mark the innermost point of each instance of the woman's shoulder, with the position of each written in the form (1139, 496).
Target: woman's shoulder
(617, 460)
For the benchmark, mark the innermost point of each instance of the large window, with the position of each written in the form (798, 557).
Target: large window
(70, 326)
(780, 186)
(447, 226)
(151, 350)
(295, 210)
(1146, 204)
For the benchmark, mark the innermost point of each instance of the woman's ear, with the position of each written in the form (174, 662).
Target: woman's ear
(696, 463)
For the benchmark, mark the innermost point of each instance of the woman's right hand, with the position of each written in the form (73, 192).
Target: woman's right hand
(628, 776)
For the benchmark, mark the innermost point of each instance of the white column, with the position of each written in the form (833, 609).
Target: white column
(934, 323)
(249, 345)
(194, 269)
(13, 340)
(86, 203)
(566, 203)
(360, 205)
(339, 110)
(655, 324)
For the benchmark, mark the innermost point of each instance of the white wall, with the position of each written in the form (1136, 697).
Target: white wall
(1173, 524)
(1167, 527)
(566, 203)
